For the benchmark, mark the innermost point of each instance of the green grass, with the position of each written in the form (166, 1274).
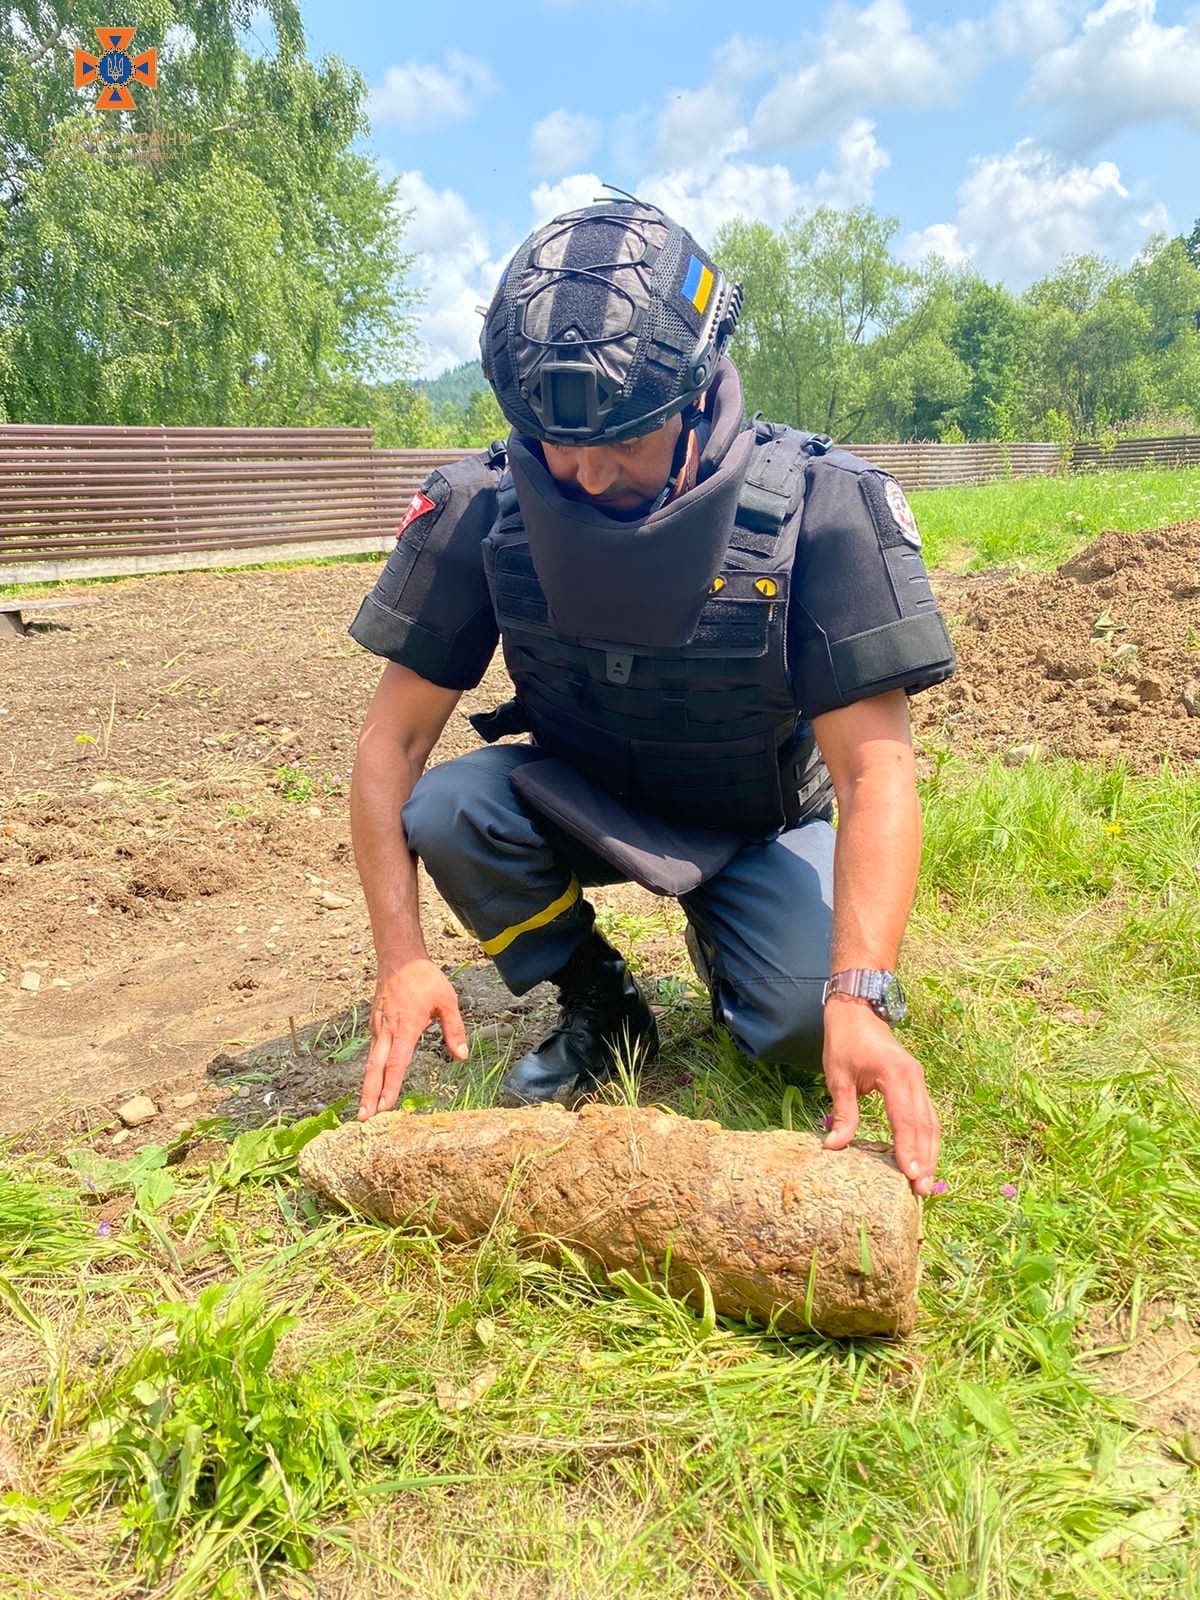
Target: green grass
(1040, 522)
(214, 1388)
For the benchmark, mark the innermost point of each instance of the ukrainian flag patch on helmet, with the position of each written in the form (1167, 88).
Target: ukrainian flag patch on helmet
(697, 286)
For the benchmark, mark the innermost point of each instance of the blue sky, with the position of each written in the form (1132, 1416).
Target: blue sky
(1005, 134)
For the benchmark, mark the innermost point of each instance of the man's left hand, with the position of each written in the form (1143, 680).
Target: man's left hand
(862, 1056)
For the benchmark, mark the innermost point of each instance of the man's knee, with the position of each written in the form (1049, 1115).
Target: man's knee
(463, 802)
(778, 1020)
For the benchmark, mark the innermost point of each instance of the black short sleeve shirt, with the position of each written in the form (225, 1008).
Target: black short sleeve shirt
(862, 616)
(431, 610)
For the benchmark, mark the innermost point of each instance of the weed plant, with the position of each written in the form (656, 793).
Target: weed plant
(214, 1387)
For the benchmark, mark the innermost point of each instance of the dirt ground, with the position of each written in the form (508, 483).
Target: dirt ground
(179, 913)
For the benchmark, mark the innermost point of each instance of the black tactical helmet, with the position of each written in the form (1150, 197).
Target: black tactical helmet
(606, 322)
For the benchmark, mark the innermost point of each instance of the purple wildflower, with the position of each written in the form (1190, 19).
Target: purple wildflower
(1009, 1191)
(827, 1121)
(104, 1229)
(685, 1079)
(940, 1186)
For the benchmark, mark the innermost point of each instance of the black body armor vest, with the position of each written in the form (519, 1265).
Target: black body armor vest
(651, 655)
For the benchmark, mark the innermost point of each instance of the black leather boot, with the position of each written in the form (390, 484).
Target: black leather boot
(603, 1015)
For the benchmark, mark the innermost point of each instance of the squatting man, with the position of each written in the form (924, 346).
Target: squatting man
(712, 628)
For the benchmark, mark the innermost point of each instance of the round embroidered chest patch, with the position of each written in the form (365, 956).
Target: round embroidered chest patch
(903, 513)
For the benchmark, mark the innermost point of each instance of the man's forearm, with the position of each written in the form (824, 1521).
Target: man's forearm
(382, 782)
(875, 865)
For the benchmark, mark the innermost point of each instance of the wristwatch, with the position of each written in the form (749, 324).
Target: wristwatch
(882, 991)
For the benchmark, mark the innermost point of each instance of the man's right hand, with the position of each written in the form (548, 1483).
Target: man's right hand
(407, 999)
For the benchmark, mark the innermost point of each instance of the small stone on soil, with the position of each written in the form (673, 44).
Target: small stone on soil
(1150, 688)
(31, 982)
(139, 1110)
(1019, 754)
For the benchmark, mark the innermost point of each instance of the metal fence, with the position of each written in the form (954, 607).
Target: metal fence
(942, 466)
(83, 502)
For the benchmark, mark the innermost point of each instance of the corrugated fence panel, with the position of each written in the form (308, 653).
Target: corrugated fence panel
(146, 499)
(76, 493)
(943, 466)
(1128, 454)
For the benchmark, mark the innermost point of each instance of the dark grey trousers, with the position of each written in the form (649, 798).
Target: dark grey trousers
(516, 881)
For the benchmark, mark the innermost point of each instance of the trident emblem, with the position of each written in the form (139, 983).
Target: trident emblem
(115, 69)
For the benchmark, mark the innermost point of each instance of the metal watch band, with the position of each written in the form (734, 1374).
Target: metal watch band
(880, 990)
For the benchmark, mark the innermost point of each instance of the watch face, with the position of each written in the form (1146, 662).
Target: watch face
(894, 1006)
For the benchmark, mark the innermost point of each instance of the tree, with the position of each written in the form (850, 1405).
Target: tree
(1088, 345)
(829, 316)
(987, 338)
(220, 255)
(916, 381)
(1192, 244)
(1165, 282)
(771, 346)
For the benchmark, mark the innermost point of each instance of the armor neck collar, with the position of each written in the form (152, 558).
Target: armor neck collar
(638, 582)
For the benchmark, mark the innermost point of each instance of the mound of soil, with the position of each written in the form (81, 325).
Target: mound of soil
(176, 885)
(1100, 658)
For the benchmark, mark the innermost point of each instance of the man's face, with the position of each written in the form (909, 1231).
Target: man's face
(625, 476)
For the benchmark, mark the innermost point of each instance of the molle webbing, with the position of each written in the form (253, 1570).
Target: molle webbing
(704, 731)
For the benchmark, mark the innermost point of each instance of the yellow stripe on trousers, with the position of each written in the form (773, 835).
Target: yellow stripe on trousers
(493, 947)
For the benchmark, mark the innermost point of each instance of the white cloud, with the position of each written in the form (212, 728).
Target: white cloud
(940, 239)
(702, 198)
(568, 194)
(1020, 213)
(1155, 219)
(453, 266)
(1031, 27)
(860, 159)
(723, 185)
(864, 58)
(561, 141)
(740, 61)
(695, 125)
(1121, 68)
(419, 92)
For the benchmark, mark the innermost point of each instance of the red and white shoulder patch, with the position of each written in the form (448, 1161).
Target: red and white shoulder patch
(417, 507)
(903, 513)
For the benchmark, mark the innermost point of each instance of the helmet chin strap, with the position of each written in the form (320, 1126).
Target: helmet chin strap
(689, 417)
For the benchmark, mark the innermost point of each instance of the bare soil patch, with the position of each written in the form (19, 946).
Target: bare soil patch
(1154, 1363)
(178, 902)
(1101, 658)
